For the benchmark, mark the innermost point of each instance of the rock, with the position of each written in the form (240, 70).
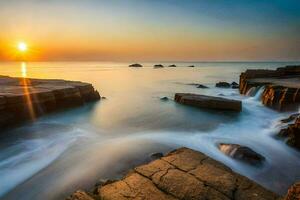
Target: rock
(203, 101)
(290, 118)
(293, 192)
(155, 156)
(172, 66)
(202, 86)
(136, 65)
(158, 66)
(184, 174)
(164, 98)
(103, 97)
(24, 99)
(282, 86)
(292, 133)
(234, 85)
(80, 195)
(191, 66)
(223, 85)
(241, 153)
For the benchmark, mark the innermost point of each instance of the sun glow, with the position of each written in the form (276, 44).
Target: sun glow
(22, 46)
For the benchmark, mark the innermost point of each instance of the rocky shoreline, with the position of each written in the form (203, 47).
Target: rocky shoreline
(181, 174)
(23, 99)
(281, 86)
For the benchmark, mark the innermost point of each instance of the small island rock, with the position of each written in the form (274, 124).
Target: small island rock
(136, 65)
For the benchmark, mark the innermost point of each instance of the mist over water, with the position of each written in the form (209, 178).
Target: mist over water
(66, 151)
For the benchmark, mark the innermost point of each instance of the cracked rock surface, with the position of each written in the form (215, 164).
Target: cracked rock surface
(184, 174)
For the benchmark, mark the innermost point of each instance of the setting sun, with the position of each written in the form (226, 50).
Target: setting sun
(22, 46)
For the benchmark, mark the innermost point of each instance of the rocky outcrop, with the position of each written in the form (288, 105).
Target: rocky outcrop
(282, 86)
(191, 66)
(158, 66)
(242, 153)
(136, 65)
(172, 66)
(209, 102)
(184, 174)
(293, 192)
(25, 99)
(80, 195)
(292, 133)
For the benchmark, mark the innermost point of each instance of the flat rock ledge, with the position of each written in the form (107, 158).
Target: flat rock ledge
(209, 102)
(182, 174)
(24, 99)
(282, 86)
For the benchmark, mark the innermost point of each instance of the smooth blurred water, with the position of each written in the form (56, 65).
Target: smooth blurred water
(62, 152)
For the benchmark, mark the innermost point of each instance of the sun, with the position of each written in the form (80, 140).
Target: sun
(22, 46)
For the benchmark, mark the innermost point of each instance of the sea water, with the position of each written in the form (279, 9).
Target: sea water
(65, 151)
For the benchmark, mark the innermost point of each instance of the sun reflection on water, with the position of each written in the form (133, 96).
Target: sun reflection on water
(24, 69)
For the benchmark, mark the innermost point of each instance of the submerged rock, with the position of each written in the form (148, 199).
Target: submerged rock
(172, 66)
(158, 66)
(210, 102)
(241, 153)
(293, 192)
(223, 85)
(136, 65)
(234, 85)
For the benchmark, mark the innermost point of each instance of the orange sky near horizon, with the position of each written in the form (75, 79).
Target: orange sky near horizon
(66, 31)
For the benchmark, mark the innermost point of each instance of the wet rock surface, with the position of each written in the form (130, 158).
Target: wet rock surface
(242, 153)
(209, 102)
(282, 86)
(294, 192)
(292, 134)
(184, 174)
(24, 99)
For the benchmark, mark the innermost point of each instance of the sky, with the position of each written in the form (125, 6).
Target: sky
(151, 30)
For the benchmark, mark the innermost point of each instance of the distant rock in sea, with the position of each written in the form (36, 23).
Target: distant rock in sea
(191, 66)
(223, 84)
(202, 86)
(172, 66)
(242, 153)
(158, 66)
(136, 65)
(164, 98)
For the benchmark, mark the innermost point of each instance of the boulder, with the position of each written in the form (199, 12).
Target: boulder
(158, 66)
(172, 66)
(242, 153)
(135, 65)
(223, 85)
(234, 85)
(293, 192)
(209, 102)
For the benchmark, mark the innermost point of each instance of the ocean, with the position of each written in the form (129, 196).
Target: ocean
(65, 151)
